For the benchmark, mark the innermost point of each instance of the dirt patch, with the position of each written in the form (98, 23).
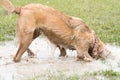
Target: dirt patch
(43, 61)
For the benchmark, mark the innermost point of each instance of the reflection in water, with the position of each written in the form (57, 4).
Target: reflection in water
(29, 67)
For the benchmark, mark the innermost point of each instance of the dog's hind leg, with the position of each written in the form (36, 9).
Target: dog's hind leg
(25, 38)
(30, 53)
(36, 33)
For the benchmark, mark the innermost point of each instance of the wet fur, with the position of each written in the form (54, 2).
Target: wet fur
(62, 30)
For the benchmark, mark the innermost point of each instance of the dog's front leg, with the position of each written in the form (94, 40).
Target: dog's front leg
(62, 51)
(84, 56)
(82, 53)
(87, 57)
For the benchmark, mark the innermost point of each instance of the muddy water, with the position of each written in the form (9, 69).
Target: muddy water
(43, 61)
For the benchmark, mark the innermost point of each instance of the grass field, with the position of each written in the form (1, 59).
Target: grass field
(103, 16)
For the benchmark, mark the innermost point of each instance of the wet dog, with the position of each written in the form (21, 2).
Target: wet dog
(62, 30)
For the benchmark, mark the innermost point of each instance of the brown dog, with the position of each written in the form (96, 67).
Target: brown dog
(62, 30)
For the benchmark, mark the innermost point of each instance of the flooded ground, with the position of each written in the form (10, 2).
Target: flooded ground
(42, 62)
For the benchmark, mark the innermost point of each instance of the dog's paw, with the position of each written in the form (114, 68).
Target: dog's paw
(30, 53)
(88, 59)
(16, 60)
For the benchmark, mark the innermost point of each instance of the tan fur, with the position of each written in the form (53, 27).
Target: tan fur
(62, 30)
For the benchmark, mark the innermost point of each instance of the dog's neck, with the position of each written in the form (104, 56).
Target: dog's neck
(93, 46)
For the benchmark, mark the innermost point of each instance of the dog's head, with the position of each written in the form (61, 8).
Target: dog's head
(100, 50)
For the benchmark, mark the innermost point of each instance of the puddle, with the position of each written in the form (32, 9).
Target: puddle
(29, 67)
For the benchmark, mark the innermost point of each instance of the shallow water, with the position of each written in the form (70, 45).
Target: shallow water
(43, 61)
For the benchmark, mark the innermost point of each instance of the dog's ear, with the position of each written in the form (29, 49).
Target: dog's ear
(105, 53)
(97, 47)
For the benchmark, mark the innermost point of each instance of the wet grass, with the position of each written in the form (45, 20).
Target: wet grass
(61, 75)
(106, 75)
(7, 27)
(101, 15)
(99, 75)
(51, 75)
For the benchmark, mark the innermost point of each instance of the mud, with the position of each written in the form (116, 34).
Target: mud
(44, 61)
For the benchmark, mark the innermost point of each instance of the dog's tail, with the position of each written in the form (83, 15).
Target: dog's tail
(10, 7)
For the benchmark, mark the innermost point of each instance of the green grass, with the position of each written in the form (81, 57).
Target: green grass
(103, 16)
(7, 27)
(61, 75)
(99, 75)
(107, 74)
(51, 75)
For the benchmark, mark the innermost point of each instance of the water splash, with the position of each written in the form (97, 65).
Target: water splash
(28, 67)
